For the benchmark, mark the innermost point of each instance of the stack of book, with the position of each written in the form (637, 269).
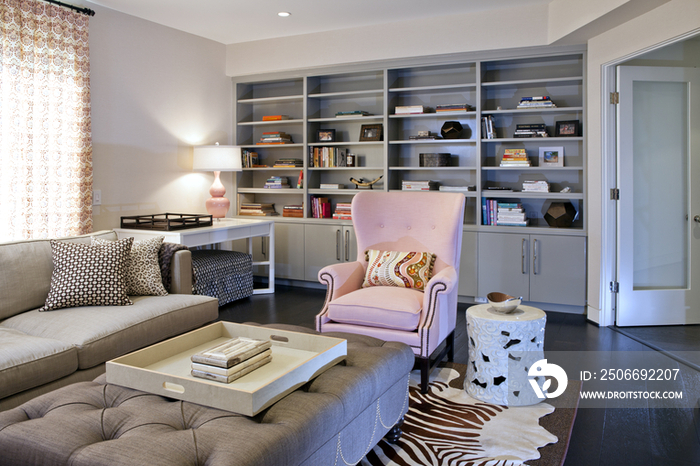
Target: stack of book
(533, 130)
(257, 209)
(538, 101)
(249, 159)
(515, 158)
(351, 114)
(536, 186)
(511, 214)
(453, 108)
(488, 131)
(342, 211)
(425, 135)
(408, 110)
(410, 185)
(320, 207)
(288, 163)
(503, 213)
(327, 157)
(275, 137)
(275, 117)
(232, 359)
(293, 210)
(277, 182)
(458, 189)
(331, 186)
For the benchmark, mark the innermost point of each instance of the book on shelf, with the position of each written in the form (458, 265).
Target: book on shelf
(293, 210)
(320, 207)
(327, 157)
(300, 179)
(535, 186)
(331, 186)
(342, 211)
(425, 185)
(458, 189)
(409, 110)
(257, 209)
(249, 159)
(275, 137)
(275, 117)
(536, 130)
(288, 163)
(498, 189)
(540, 101)
(277, 182)
(488, 129)
(502, 213)
(453, 108)
(515, 158)
(352, 113)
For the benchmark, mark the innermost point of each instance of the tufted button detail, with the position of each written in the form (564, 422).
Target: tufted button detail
(381, 225)
(408, 228)
(433, 227)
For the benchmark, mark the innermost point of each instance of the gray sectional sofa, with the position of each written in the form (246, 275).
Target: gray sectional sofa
(42, 351)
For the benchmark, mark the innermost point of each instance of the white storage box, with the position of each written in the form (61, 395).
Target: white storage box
(164, 368)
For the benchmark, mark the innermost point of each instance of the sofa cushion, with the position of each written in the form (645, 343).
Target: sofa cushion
(379, 306)
(402, 269)
(27, 362)
(101, 333)
(85, 275)
(143, 270)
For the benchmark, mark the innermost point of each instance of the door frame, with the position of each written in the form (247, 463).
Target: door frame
(609, 163)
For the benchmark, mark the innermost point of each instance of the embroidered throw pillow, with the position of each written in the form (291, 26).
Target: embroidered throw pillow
(402, 269)
(85, 275)
(143, 276)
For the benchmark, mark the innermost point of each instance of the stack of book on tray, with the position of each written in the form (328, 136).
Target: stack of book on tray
(277, 182)
(231, 359)
(293, 210)
(320, 207)
(453, 108)
(252, 208)
(535, 186)
(342, 211)
(533, 130)
(410, 185)
(503, 213)
(515, 158)
(351, 114)
(538, 101)
(275, 137)
(408, 110)
(275, 117)
(289, 163)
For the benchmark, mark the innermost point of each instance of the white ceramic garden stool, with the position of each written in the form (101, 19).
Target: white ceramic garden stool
(502, 347)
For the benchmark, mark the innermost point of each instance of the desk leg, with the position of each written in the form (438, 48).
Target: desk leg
(270, 262)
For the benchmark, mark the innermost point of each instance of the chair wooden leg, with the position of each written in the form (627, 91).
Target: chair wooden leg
(451, 347)
(424, 374)
(394, 434)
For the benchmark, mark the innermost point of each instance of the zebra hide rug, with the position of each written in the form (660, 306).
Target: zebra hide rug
(447, 427)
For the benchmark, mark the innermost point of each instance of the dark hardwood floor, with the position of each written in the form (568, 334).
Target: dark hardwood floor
(600, 437)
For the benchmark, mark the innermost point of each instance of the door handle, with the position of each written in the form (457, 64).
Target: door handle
(337, 245)
(262, 246)
(523, 257)
(696, 219)
(534, 258)
(347, 245)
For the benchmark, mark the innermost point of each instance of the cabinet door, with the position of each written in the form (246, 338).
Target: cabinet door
(468, 265)
(504, 264)
(289, 250)
(323, 245)
(558, 269)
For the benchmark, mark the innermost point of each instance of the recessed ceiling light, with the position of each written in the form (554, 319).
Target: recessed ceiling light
(284, 14)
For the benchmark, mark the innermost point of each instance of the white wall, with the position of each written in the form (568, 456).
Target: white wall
(670, 20)
(155, 92)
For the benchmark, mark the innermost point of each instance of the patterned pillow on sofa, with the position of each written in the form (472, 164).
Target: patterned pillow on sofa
(143, 276)
(85, 275)
(402, 269)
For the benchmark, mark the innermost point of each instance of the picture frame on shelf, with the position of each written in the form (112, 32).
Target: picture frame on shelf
(567, 129)
(551, 156)
(325, 135)
(371, 133)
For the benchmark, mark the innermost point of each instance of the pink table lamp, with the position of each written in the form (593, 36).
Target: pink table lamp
(217, 158)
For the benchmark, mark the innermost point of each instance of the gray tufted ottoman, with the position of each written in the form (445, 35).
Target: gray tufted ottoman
(334, 419)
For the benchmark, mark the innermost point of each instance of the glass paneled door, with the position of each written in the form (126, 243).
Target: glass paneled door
(659, 207)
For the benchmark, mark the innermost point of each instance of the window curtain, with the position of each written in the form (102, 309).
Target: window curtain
(45, 132)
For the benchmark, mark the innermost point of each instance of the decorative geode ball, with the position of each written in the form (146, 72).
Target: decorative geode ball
(451, 130)
(560, 214)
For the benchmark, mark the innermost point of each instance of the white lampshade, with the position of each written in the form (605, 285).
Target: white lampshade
(217, 158)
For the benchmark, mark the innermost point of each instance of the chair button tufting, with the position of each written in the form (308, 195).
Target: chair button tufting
(433, 227)
(408, 228)
(381, 226)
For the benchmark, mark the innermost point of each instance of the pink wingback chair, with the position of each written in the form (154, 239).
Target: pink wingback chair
(400, 221)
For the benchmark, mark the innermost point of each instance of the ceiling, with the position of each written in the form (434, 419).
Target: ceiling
(235, 21)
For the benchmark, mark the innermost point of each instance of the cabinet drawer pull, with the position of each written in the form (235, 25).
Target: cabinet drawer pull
(347, 245)
(337, 245)
(523, 256)
(534, 258)
(262, 246)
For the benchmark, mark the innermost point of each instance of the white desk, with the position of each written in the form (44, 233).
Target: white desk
(225, 229)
